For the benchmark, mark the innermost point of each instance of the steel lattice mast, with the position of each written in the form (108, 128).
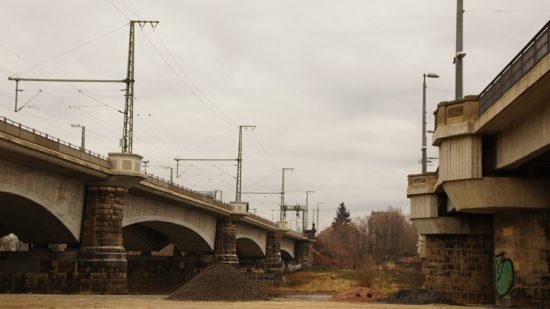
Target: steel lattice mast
(240, 162)
(128, 126)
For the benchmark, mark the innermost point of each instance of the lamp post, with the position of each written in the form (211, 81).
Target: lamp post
(424, 147)
(83, 136)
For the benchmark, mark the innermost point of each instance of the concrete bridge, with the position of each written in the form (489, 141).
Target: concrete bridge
(107, 214)
(485, 213)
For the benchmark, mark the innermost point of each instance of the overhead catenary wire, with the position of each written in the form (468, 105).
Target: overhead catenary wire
(189, 77)
(191, 89)
(72, 49)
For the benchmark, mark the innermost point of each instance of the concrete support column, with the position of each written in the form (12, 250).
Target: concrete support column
(460, 266)
(273, 261)
(522, 258)
(102, 263)
(303, 253)
(225, 246)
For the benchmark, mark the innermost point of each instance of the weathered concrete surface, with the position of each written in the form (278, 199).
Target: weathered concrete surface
(27, 192)
(494, 193)
(251, 242)
(287, 247)
(187, 229)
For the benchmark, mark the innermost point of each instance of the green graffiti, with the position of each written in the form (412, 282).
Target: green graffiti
(504, 274)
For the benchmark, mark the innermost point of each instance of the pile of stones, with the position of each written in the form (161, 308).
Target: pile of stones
(417, 297)
(219, 282)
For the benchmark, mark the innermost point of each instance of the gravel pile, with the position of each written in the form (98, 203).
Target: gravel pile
(359, 294)
(219, 282)
(417, 297)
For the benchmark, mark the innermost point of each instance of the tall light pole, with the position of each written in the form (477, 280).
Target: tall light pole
(424, 147)
(82, 137)
(459, 50)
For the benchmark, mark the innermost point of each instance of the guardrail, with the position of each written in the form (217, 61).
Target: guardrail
(262, 220)
(43, 139)
(183, 190)
(527, 58)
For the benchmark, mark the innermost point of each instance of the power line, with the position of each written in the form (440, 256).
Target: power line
(190, 79)
(68, 51)
(119, 10)
(191, 89)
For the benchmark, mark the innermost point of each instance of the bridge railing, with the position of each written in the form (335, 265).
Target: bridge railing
(262, 220)
(525, 60)
(183, 190)
(43, 139)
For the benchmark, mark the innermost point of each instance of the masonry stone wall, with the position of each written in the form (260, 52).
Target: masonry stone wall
(39, 271)
(522, 258)
(225, 247)
(102, 263)
(460, 266)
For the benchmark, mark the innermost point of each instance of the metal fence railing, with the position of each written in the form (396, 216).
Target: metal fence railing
(185, 191)
(43, 139)
(525, 60)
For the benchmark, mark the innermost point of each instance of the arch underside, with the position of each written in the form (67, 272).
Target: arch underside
(247, 248)
(155, 235)
(31, 222)
(285, 255)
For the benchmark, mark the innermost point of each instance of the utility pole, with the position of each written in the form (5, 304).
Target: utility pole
(305, 218)
(128, 126)
(459, 50)
(128, 129)
(82, 137)
(283, 209)
(240, 161)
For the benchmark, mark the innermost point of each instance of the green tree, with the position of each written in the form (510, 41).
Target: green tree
(342, 217)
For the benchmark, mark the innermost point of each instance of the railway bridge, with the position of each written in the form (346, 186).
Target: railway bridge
(99, 224)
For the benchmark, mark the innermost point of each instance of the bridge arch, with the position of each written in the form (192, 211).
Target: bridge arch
(287, 249)
(154, 232)
(251, 242)
(148, 220)
(49, 203)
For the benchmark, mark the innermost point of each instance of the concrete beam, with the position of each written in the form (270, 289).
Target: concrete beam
(489, 194)
(464, 225)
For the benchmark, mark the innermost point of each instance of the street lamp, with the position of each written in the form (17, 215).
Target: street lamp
(424, 147)
(83, 136)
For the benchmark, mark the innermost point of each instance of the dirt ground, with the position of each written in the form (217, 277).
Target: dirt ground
(158, 302)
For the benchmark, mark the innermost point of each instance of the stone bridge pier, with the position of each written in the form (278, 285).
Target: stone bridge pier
(102, 263)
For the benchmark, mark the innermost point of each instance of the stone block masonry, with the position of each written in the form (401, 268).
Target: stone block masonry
(460, 266)
(522, 258)
(225, 247)
(102, 263)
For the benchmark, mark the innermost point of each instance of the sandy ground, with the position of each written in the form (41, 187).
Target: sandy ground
(158, 302)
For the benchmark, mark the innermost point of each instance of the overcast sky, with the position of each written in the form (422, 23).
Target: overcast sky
(334, 88)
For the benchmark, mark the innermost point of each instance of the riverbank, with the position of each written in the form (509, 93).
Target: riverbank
(36, 301)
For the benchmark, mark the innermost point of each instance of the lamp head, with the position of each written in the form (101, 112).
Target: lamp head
(432, 75)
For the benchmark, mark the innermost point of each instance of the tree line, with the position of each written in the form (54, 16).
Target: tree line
(361, 241)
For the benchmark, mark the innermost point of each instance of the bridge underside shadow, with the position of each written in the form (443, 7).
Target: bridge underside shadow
(247, 248)
(154, 235)
(31, 222)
